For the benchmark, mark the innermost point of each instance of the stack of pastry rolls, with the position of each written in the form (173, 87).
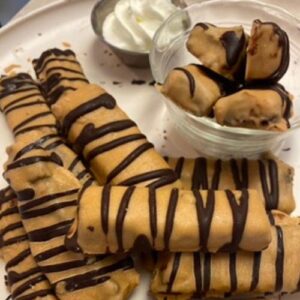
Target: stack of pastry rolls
(214, 211)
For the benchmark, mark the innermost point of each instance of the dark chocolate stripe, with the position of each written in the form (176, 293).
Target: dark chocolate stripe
(53, 96)
(272, 196)
(121, 216)
(50, 253)
(179, 166)
(35, 295)
(45, 199)
(9, 211)
(161, 173)
(215, 182)
(60, 68)
(38, 102)
(14, 277)
(233, 46)
(15, 101)
(40, 69)
(241, 181)
(15, 240)
(90, 133)
(11, 227)
(153, 213)
(170, 217)
(34, 145)
(271, 218)
(199, 178)
(239, 215)
(18, 259)
(105, 207)
(128, 160)
(38, 63)
(25, 162)
(89, 279)
(206, 273)
(56, 79)
(32, 118)
(47, 210)
(47, 233)
(112, 145)
(190, 78)
(28, 285)
(63, 266)
(173, 274)
(232, 273)
(74, 163)
(35, 128)
(104, 100)
(255, 271)
(54, 145)
(279, 260)
(163, 181)
(4, 94)
(83, 173)
(204, 215)
(197, 272)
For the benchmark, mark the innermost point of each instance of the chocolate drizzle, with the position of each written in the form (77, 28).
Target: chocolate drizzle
(105, 208)
(239, 214)
(271, 196)
(279, 260)
(127, 161)
(90, 133)
(104, 100)
(190, 78)
(121, 216)
(233, 46)
(153, 214)
(241, 182)
(173, 274)
(205, 215)
(197, 272)
(255, 271)
(170, 217)
(200, 178)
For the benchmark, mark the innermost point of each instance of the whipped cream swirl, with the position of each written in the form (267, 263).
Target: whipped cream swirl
(133, 23)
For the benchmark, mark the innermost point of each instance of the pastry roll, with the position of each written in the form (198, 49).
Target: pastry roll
(113, 219)
(269, 176)
(266, 108)
(221, 49)
(24, 277)
(59, 72)
(33, 123)
(24, 107)
(195, 88)
(47, 200)
(274, 270)
(110, 142)
(268, 52)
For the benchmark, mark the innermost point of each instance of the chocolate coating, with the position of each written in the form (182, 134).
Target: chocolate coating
(268, 52)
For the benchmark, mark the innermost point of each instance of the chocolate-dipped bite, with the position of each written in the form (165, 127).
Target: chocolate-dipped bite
(196, 88)
(261, 107)
(268, 53)
(222, 49)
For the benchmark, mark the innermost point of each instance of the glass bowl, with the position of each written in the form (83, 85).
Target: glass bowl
(169, 51)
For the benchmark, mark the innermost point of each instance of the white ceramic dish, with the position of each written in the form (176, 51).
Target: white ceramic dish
(69, 22)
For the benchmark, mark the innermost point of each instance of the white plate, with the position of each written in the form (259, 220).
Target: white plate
(69, 22)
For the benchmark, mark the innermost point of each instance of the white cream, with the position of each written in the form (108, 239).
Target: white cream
(133, 23)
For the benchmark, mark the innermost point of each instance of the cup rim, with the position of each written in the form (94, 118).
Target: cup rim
(270, 8)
